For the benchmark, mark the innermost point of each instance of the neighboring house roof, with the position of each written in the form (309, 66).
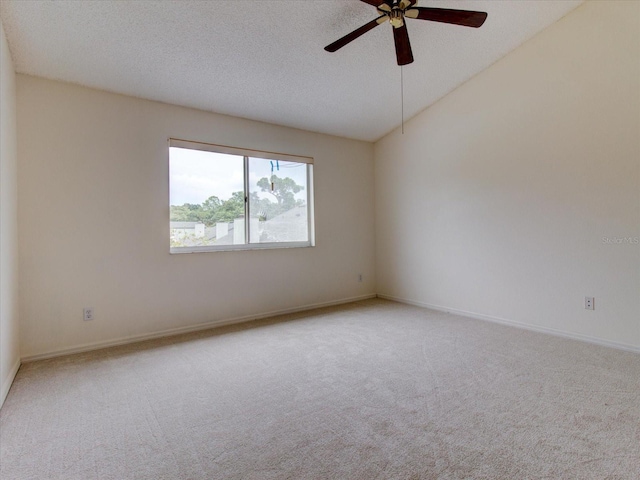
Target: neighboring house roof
(289, 226)
(210, 233)
(226, 239)
(184, 225)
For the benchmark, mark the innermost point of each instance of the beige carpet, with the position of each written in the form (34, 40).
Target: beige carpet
(370, 390)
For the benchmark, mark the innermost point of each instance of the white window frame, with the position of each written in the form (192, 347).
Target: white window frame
(246, 153)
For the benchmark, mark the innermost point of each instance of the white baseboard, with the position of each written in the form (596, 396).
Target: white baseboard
(6, 384)
(87, 347)
(513, 323)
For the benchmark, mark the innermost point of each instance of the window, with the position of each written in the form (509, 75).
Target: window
(225, 198)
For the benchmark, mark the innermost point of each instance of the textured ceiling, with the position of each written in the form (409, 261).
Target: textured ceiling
(264, 59)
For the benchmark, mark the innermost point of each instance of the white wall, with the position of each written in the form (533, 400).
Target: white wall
(9, 339)
(496, 199)
(94, 221)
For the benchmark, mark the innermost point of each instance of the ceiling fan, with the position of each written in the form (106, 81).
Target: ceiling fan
(395, 12)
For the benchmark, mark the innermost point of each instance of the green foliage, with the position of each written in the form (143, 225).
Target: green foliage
(211, 211)
(283, 189)
(188, 212)
(230, 209)
(214, 210)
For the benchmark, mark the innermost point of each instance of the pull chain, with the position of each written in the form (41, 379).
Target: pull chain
(402, 98)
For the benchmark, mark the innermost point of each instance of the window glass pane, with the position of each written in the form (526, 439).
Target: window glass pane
(277, 201)
(206, 198)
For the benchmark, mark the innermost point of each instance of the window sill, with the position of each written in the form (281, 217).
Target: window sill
(232, 248)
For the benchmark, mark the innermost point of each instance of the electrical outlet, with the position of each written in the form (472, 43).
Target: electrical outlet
(589, 303)
(88, 314)
(360, 277)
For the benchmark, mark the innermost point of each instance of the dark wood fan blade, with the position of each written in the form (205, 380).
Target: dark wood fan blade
(350, 37)
(403, 47)
(465, 18)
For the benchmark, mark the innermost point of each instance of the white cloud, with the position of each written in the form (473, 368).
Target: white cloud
(196, 175)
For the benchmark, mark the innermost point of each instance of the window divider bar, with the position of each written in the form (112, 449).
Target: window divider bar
(310, 206)
(247, 194)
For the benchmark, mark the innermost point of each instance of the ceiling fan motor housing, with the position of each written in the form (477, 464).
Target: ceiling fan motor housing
(395, 11)
(396, 17)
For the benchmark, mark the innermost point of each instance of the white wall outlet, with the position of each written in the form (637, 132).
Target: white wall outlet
(88, 314)
(360, 277)
(589, 303)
